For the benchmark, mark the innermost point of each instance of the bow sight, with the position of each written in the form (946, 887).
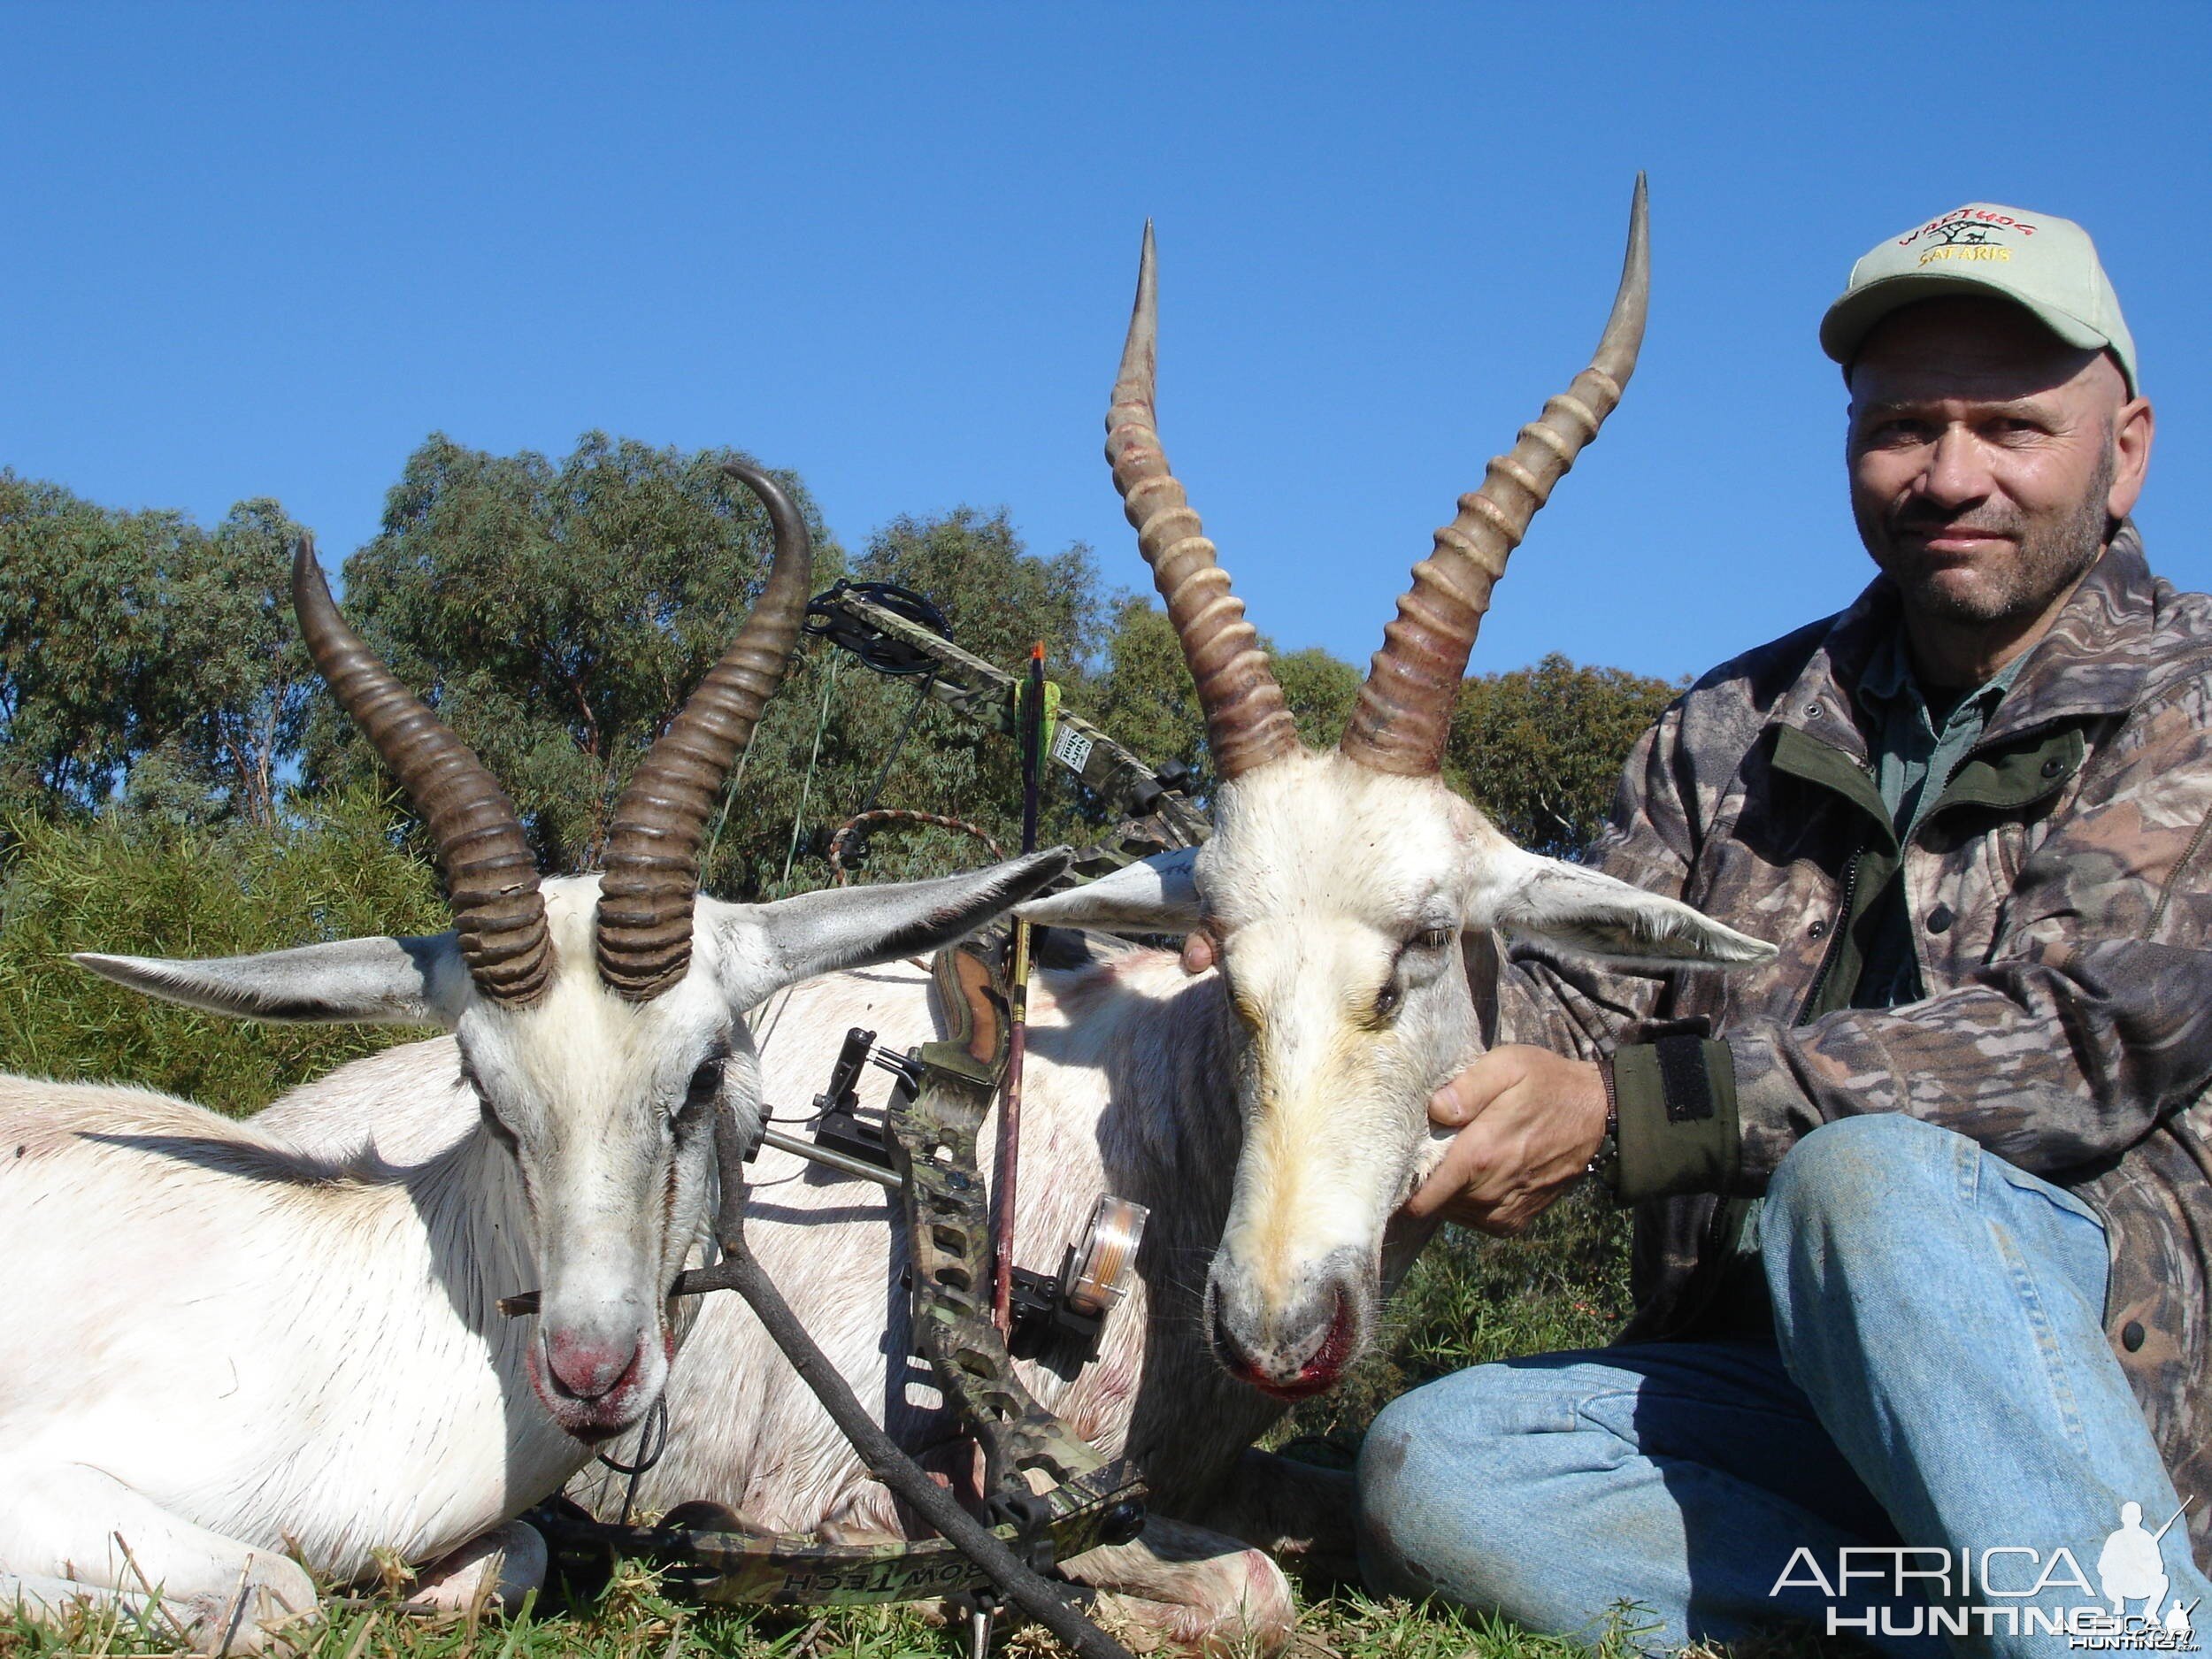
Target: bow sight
(898, 631)
(838, 617)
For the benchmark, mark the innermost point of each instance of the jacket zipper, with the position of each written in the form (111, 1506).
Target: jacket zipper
(1835, 944)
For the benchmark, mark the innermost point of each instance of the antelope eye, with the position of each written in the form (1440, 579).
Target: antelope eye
(1434, 938)
(1387, 999)
(705, 1084)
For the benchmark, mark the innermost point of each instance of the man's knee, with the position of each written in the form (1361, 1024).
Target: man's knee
(1862, 1213)
(1451, 1474)
(1852, 1175)
(1434, 1439)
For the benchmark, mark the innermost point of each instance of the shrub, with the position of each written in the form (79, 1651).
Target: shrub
(150, 888)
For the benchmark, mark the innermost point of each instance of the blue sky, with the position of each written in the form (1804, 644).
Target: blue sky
(253, 250)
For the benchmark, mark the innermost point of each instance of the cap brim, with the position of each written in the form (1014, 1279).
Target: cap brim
(1851, 319)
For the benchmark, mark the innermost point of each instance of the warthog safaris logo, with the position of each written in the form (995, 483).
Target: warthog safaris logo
(1978, 233)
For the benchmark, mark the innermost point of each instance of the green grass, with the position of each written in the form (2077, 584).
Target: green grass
(632, 1621)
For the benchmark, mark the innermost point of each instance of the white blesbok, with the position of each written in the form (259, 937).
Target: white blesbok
(1265, 1093)
(226, 1346)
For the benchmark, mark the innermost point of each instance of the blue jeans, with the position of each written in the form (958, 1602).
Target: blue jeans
(1940, 1378)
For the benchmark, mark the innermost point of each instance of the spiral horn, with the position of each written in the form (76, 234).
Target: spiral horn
(1247, 722)
(1404, 711)
(491, 874)
(646, 896)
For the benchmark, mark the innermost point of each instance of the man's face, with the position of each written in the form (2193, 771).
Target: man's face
(1986, 459)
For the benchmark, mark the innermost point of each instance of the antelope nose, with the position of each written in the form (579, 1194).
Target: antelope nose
(1298, 1345)
(588, 1368)
(1235, 1358)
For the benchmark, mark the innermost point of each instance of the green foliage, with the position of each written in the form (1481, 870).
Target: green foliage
(1320, 690)
(556, 613)
(242, 679)
(999, 598)
(1540, 749)
(140, 887)
(126, 636)
(1146, 698)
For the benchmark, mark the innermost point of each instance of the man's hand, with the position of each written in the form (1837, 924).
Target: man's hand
(1533, 1122)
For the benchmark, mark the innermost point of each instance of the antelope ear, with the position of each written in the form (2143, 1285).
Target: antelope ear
(854, 927)
(348, 982)
(1158, 895)
(1594, 915)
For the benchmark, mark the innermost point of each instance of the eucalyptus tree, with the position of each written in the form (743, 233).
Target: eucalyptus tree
(556, 609)
(998, 600)
(237, 672)
(130, 636)
(1540, 748)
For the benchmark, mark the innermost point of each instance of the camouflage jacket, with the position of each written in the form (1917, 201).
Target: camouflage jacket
(2061, 897)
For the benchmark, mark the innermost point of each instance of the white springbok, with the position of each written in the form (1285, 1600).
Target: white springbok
(1265, 1094)
(228, 1352)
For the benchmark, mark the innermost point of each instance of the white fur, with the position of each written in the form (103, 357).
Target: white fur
(233, 1341)
(1326, 887)
(1264, 1140)
(1129, 1089)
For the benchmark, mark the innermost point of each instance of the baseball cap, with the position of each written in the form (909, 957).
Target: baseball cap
(2036, 260)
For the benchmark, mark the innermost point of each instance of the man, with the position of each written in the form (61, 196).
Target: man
(1923, 1214)
(2129, 1567)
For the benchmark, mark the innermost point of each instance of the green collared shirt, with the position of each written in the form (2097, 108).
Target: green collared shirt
(1917, 744)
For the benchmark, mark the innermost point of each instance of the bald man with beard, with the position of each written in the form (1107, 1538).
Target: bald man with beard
(1924, 1209)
